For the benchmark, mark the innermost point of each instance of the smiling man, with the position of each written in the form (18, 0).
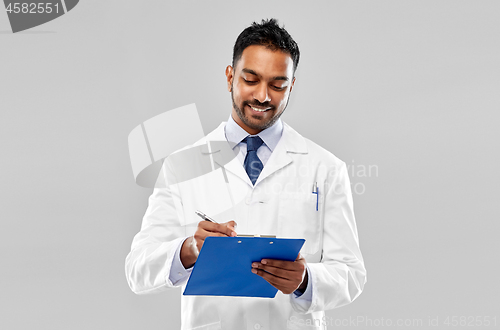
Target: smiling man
(283, 184)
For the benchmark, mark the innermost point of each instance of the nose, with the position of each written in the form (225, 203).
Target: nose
(261, 94)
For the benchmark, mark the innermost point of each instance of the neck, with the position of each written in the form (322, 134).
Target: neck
(247, 129)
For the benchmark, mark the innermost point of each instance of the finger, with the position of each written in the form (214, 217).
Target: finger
(277, 282)
(294, 276)
(216, 235)
(285, 286)
(207, 226)
(201, 236)
(289, 265)
(227, 230)
(232, 224)
(278, 272)
(216, 228)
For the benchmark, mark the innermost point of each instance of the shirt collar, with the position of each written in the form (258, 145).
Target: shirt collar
(271, 135)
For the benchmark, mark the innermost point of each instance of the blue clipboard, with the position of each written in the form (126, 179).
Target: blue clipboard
(224, 265)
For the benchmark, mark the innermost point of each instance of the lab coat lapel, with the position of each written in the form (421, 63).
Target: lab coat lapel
(222, 152)
(290, 142)
(279, 159)
(237, 169)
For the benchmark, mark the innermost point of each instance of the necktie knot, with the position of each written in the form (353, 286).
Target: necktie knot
(253, 143)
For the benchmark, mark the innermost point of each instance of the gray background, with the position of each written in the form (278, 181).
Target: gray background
(411, 87)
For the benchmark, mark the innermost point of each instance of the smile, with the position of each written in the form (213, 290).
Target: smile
(259, 110)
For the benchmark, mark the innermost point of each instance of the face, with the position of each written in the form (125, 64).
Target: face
(260, 87)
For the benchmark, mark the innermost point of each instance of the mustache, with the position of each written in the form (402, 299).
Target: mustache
(258, 104)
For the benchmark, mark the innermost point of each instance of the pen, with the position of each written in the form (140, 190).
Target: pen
(316, 191)
(205, 217)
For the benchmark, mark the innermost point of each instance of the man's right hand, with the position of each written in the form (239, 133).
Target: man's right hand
(191, 247)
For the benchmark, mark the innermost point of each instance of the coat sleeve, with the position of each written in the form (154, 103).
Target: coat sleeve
(341, 275)
(148, 265)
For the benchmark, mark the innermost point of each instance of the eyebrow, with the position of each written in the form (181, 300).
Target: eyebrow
(256, 74)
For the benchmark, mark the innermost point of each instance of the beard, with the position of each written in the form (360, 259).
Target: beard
(256, 125)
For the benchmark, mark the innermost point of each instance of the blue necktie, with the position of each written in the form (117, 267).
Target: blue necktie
(252, 163)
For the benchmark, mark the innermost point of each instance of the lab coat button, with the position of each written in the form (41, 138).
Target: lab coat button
(257, 326)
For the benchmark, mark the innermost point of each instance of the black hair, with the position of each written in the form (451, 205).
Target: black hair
(269, 34)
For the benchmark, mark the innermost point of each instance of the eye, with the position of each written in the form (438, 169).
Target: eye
(250, 82)
(279, 88)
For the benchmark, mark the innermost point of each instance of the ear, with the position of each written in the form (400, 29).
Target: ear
(229, 77)
(291, 86)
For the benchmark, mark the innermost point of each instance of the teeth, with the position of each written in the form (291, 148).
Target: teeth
(260, 110)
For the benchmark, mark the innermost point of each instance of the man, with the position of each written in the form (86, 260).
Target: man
(279, 183)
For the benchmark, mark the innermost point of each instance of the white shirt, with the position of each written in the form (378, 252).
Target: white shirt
(271, 136)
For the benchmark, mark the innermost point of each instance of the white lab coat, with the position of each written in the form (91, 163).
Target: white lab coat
(281, 203)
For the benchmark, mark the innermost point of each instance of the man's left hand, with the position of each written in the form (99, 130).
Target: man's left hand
(286, 276)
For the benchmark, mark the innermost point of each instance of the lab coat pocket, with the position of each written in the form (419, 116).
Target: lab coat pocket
(298, 218)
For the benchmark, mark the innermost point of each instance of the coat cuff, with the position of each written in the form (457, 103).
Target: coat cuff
(178, 274)
(302, 301)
